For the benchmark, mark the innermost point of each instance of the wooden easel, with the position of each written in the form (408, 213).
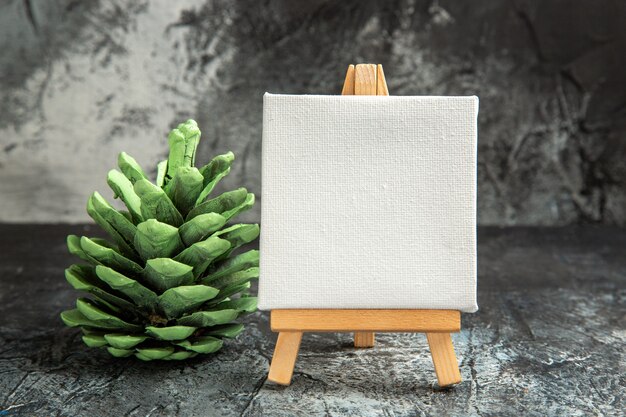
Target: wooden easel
(365, 79)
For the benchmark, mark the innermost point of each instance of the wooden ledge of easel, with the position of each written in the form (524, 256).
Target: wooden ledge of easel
(366, 320)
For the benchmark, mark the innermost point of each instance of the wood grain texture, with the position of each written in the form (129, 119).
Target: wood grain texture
(364, 339)
(444, 359)
(348, 84)
(284, 359)
(365, 80)
(381, 82)
(357, 320)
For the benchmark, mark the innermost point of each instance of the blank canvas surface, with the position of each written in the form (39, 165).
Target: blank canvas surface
(368, 202)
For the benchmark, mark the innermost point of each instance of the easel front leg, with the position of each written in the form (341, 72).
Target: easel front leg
(444, 359)
(284, 359)
(363, 339)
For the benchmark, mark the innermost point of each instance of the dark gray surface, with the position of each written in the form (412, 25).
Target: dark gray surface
(548, 340)
(81, 81)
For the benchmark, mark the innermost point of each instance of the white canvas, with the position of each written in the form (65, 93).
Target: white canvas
(368, 202)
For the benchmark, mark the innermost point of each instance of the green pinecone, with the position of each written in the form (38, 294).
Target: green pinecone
(169, 284)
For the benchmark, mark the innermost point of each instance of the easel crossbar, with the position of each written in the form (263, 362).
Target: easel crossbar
(372, 320)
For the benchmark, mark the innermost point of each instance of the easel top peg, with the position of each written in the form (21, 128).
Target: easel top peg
(365, 80)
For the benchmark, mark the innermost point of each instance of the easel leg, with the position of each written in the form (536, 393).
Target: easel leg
(284, 359)
(444, 359)
(363, 339)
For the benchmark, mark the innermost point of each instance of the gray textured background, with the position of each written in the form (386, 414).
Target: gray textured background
(82, 80)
